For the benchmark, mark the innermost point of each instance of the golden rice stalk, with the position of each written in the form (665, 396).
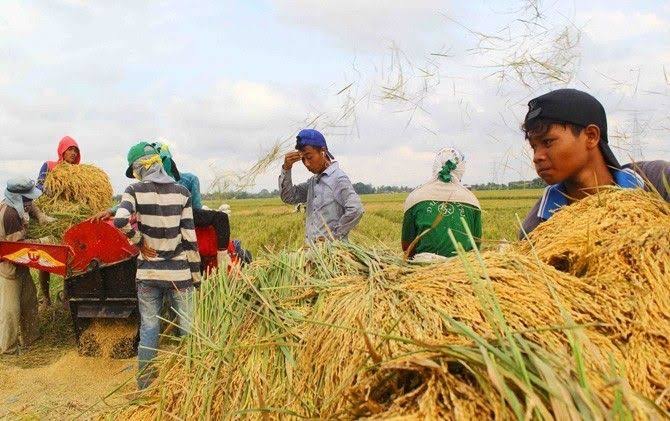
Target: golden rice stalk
(624, 231)
(72, 193)
(83, 184)
(619, 238)
(317, 333)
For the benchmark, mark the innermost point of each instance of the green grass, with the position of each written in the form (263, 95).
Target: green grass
(269, 224)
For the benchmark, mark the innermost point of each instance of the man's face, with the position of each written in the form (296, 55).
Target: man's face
(70, 155)
(558, 154)
(314, 159)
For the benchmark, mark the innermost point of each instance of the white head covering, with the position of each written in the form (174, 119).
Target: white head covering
(439, 190)
(453, 155)
(17, 189)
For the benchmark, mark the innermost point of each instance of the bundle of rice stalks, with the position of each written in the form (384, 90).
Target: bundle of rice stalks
(339, 331)
(619, 240)
(72, 194)
(624, 235)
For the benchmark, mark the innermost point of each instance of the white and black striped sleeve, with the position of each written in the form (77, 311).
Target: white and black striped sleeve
(126, 209)
(189, 240)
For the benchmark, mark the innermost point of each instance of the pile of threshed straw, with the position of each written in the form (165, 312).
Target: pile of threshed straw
(72, 193)
(571, 324)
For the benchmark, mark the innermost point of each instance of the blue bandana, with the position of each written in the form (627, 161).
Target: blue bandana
(554, 196)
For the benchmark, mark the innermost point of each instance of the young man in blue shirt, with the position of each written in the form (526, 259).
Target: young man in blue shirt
(567, 130)
(333, 207)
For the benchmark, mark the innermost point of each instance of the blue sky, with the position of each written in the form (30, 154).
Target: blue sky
(223, 81)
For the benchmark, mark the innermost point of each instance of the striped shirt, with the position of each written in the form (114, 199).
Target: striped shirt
(164, 223)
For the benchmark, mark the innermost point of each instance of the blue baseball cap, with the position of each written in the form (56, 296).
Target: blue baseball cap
(311, 137)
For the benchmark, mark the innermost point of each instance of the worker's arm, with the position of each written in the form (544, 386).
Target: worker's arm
(476, 226)
(15, 229)
(42, 218)
(41, 176)
(408, 230)
(107, 213)
(189, 240)
(346, 196)
(126, 209)
(289, 193)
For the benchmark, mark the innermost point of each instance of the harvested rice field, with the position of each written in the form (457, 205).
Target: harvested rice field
(573, 321)
(264, 226)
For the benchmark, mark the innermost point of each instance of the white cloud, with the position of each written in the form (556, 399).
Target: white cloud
(109, 75)
(606, 26)
(18, 18)
(368, 25)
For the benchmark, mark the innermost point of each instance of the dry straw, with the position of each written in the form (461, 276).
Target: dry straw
(344, 332)
(623, 247)
(72, 194)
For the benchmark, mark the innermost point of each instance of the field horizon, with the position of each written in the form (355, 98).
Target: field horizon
(269, 225)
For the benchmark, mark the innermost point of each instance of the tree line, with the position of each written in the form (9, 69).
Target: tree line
(367, 188)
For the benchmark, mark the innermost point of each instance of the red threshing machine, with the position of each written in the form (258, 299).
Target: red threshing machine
(98, 266)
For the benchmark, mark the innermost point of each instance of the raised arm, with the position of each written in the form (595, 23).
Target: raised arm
(289, 193)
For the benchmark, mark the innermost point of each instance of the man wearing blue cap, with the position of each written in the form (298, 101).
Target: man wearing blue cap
(567, 131)
(18, 296)
(333, 207)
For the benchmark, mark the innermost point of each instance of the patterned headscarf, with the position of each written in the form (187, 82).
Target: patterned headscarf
(445, 186)
(449, 166)
(150, 168)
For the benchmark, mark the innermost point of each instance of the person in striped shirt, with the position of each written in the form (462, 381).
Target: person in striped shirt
(168, 265)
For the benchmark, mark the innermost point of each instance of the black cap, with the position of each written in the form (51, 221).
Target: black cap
(575, 107)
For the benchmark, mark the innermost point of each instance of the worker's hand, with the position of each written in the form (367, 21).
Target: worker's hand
(147, 252)
(101, 215)
(197, 278)
(49, 219)
(290, 159)
(46, 240)
(225, 208)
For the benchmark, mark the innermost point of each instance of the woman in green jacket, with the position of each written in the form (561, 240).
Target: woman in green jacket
(436, 207)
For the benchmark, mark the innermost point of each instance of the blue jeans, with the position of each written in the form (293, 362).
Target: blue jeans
(150, 300)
